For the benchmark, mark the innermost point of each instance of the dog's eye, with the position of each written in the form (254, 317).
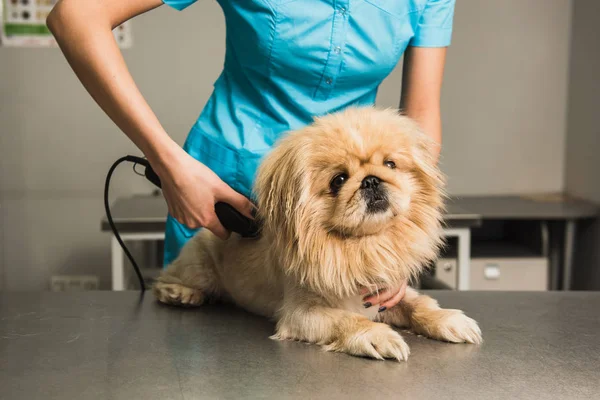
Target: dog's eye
(337, 182)
(390, 164)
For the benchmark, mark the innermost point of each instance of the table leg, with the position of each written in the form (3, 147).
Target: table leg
(568, 253)
(554, 254)
(119, 281)
(464, 259)
(117, 255)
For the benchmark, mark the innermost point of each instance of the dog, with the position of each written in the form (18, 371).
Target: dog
(354, 200)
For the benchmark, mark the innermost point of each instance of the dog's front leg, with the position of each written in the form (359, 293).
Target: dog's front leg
(191, 279)
(424, 316)
(309, 318)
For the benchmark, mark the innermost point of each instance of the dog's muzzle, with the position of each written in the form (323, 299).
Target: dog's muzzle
(374, 194)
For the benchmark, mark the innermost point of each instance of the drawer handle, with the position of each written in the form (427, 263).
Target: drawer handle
(447, 267)
(491, 272)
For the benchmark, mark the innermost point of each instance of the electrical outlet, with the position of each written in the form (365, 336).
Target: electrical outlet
(71, 283)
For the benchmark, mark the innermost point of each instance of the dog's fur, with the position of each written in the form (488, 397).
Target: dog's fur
(320, 245)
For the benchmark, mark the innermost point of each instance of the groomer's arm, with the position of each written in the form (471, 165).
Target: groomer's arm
(83, 30)
(422, 77)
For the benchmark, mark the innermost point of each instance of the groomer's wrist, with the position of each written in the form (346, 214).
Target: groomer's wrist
(163, 155)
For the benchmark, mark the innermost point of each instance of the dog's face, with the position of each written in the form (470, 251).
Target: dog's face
(353, 199)
(362, 176)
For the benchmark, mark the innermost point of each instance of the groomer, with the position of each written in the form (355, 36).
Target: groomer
(286, 61)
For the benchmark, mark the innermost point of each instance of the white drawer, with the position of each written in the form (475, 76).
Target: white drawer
(509, 274)
(524, 274)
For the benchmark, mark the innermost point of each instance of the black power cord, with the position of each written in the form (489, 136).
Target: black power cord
(230, 218)
(135, 160)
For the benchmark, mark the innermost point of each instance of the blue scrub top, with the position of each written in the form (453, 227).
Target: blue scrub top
(289, 60)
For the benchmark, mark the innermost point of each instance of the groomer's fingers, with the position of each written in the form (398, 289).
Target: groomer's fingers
(371, 290)
(238, 201)
(397, 298)
(217, 229)
(172, 206)
(377, 298)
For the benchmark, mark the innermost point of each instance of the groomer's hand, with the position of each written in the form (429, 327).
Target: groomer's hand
(191, 190)
(386, 298)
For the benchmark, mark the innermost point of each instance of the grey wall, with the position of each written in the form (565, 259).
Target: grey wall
(504, 100)
(583, 135)
(56, 145)
(583, 131)
(504, 105)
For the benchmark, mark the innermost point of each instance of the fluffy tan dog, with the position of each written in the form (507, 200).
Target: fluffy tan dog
(353, 200)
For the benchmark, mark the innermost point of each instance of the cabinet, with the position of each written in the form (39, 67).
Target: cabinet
(505, 255)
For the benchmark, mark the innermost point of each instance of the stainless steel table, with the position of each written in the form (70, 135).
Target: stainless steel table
(116, 345)
(142, 218)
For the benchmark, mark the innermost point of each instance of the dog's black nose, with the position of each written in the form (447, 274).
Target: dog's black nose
(370, 182)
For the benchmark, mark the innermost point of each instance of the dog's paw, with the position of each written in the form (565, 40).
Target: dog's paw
(176, 294)
(378, 341)
(450, 326)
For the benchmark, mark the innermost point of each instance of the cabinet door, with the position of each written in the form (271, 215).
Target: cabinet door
(446, 271)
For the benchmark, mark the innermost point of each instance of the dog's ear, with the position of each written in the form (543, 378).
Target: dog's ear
(279, 183)
(423, 158)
